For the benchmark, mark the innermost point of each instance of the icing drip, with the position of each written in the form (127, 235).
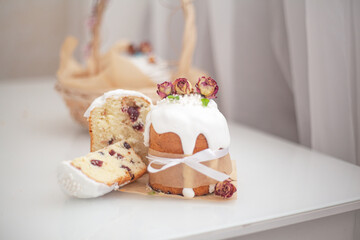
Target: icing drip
(98, 102)
(158, 72)
(188, 118)
(188, 192)
(75, 183)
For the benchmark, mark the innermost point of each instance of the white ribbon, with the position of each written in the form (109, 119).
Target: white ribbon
(193, 161)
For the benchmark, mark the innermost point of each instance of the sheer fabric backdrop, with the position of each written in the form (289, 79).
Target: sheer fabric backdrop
(290, 68)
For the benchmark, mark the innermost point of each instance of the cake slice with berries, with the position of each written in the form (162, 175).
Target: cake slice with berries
(101, 171)
(119, 115)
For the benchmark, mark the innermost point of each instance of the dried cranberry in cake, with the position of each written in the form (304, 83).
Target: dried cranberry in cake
(112, 152)
(129, 170)
(126, 145)
(111, 168)
(139, 127)
(96, 162)
(133, 113)
(126, 167)
(111, 141)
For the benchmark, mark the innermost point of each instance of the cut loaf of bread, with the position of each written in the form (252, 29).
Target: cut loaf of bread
(119, 115)
(114, 164)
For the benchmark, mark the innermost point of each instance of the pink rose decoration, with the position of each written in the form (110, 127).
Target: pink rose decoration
(207, 87)
(165, 89)
(145, 47)
(225, 189)
(182, 86)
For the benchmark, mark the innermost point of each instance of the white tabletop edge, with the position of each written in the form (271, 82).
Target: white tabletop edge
(273, 222)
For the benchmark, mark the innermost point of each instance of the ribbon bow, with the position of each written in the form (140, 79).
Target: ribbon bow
(193, 161)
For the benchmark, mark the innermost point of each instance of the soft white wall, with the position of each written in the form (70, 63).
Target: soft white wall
(264, 99)
(31, 33)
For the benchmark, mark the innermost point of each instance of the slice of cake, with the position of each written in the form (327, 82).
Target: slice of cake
(101, 171)
(188, 139)
(119, 115)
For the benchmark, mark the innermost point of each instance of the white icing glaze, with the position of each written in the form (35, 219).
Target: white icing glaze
(75, 183)
(188, 192)
(188, 118)
(211, 188)
(119, 186)
(158, 72)
(98, 102)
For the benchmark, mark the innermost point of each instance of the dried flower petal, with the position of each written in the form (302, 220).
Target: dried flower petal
(207, 87)
(225, 189)
(165, 89)
(145, 47)
(182, 86)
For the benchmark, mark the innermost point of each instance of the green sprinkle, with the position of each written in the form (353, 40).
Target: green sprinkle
(152, 193)
(205, 102)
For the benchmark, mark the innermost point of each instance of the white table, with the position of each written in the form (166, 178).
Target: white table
(282, 187)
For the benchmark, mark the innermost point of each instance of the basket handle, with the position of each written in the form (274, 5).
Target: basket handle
(188, 43)
(95, 24)
(189, 38)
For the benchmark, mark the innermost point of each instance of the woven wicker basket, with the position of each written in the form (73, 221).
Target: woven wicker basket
(78, 100)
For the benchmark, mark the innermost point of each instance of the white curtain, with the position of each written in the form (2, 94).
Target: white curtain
(287, 67)
(324, 47)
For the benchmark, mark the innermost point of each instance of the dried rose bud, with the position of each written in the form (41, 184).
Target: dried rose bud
(131, 49)
(145, 47)
(225, 189)
(182, 86)
(165, 89)
(207, 87)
